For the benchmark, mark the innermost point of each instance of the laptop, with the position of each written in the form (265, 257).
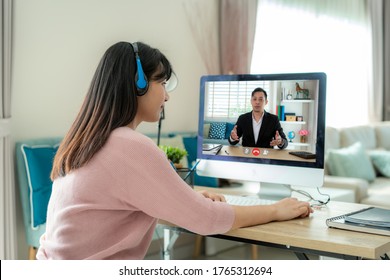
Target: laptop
(209, 147)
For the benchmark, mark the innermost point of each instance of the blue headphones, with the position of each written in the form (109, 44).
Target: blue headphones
(140, 78)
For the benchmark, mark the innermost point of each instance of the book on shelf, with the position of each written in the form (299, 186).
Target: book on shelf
(280, 112)
(370, 220)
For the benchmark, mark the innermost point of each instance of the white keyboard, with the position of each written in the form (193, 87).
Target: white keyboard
(247, 200)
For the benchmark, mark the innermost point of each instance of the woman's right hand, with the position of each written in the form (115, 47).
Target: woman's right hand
(290, 208)
(285, 209)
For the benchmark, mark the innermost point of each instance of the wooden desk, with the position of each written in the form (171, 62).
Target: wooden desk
(265, 153)
(310, 235)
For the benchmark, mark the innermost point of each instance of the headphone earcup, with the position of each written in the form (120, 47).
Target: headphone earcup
(141, 82)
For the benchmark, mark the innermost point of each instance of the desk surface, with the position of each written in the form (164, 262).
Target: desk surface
(313, 234)
(265, 153)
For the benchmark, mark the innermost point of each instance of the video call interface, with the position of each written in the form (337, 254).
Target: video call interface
(298, 101)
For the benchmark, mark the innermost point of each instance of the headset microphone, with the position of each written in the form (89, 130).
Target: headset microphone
(140, 78)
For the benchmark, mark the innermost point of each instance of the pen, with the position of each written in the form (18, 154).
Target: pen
(226, 152)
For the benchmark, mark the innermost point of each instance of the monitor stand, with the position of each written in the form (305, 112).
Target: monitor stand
(274, 191)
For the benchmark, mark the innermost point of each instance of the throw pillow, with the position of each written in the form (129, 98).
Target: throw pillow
(38, 162)
(381, 161)
(229, 128)
(217, 130)
(351, 161)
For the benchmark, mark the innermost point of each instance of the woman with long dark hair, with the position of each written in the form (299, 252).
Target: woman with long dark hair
(111, 183)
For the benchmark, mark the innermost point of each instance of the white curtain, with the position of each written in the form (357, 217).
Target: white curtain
(224, 32)
(7, 191)
(386, 48)
(237, 25)
(202, 17)
(350, 10)
(376, 75)
(314, 35)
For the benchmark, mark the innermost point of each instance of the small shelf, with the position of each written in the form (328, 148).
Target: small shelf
(294, 123)
(298, 144)
(297, 101)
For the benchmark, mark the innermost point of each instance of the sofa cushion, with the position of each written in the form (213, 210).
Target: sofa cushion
(381, 161)
(229, 128)
(364, 134)
(382, 131)
(332, 141)
(217, 130)
(357, 185)
(332, 138)
(38, 162)
(351, 161)
(378, 193)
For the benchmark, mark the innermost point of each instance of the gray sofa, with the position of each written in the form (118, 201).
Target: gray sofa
(217, 132)
(358, 158)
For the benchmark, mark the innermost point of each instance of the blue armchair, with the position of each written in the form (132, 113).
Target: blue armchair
(33, 165)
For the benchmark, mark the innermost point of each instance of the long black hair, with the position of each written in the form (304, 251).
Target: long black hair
(111, 102)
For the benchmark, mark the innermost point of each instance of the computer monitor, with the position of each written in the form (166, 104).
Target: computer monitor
(298, 99)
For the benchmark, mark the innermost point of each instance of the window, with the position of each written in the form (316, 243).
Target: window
(297, 39)
(228, 100)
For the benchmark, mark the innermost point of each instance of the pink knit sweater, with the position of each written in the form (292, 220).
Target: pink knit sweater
(109, 208)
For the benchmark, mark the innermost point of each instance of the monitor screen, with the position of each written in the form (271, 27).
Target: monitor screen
(294, 115)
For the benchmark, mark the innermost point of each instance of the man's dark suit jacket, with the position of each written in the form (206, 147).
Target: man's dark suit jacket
(268, 129)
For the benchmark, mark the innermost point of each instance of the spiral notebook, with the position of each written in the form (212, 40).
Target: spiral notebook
(371, 220)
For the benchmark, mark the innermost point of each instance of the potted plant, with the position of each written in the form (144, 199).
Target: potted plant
(174, 154)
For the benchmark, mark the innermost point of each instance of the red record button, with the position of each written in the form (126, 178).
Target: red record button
(256, 151)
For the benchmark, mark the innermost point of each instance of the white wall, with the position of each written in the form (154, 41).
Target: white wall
(57, 45)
